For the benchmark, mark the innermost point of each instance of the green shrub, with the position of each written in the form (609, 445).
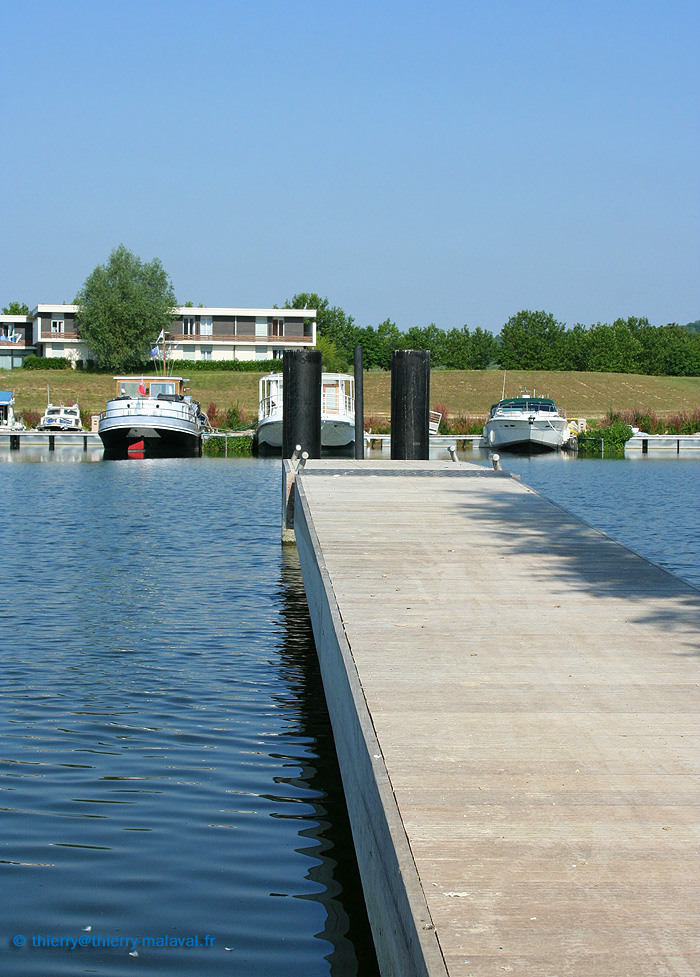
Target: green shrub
(237, 418)
(608, 439)
(33, 362)
(241, 446)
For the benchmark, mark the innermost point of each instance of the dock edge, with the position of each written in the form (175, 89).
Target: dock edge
(404, 933)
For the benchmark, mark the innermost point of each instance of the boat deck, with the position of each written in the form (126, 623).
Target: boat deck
(515, 704)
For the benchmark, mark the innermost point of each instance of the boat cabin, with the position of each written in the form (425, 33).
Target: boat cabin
(270, 403)
(167, 388)
(71, 414)
(337, 395)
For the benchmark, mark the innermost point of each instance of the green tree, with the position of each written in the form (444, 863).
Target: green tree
(378, 344)
(334, 360)
(575, 344)
(669, 351)
(16, 308)
(484, 349)
(331, 321)
(428, 337)
(614, 349)
(122, 308)
(531, 341)
(458, 349)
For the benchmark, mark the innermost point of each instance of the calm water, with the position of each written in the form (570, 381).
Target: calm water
(166, 761)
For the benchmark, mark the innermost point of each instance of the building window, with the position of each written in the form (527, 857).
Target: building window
(278, 327)
(206, 325)
(277, 354)
(190, 326)
(205, 352)
(58, 324)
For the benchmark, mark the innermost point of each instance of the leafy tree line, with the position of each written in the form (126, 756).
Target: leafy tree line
(338, 335)
(537, 341)
(528, 341)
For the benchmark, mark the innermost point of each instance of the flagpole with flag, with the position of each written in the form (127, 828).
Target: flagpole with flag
(155, 349)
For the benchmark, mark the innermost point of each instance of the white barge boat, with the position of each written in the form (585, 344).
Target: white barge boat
(526, 424)
(152, 416)
(337, 410)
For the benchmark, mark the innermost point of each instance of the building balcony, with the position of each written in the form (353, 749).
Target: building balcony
(70, 335)
(240, 338)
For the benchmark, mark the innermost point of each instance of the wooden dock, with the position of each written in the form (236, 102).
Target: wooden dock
(515, 704)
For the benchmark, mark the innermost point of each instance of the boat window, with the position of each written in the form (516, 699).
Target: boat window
(129, 388)
(162, 387)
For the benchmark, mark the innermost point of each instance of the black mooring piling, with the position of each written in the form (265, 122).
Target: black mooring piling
(410, 404)
(359, 405)
(301, 413)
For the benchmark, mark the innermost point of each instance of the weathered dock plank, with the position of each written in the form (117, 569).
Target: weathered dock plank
(515, 703)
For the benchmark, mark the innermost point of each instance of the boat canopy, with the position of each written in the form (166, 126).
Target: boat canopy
(525, 404)
(5, 397)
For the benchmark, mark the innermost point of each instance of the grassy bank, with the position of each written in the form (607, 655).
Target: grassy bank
(471, 393)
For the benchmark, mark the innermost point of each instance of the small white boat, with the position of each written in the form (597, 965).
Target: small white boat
(337, 410)
(58, 417)
(525, 423)
(8, 421)
(152, 417)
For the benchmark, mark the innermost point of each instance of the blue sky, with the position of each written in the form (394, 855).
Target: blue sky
(425, 161)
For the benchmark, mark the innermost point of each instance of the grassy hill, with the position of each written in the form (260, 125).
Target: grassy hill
(469, 392)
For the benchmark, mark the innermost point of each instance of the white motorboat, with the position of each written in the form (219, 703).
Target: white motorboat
(337, 410)
(58, 417)
(525, 423)
(8, 421)
(152, 417)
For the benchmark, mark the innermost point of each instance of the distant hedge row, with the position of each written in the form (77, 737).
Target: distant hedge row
(232, 366)
(33, 362)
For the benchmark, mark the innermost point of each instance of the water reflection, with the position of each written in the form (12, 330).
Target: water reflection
(42, 455)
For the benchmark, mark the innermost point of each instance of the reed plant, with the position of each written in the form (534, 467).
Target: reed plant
(374, 424)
